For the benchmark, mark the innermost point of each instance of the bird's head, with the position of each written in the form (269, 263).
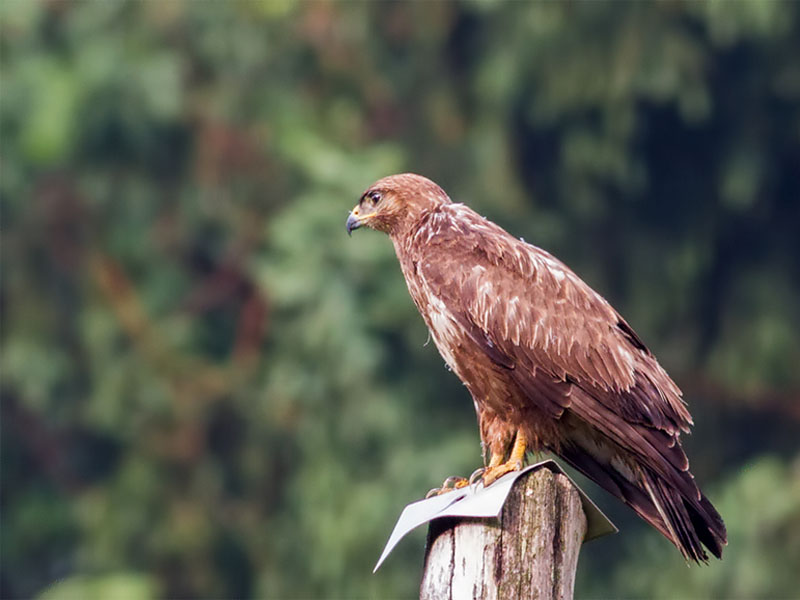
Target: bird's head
(393, 204)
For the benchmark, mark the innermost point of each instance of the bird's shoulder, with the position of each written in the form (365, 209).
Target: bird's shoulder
(454, 245)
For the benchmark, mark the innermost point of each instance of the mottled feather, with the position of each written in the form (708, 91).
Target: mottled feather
(540, 350)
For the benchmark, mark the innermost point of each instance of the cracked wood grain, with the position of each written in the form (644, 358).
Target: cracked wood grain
(531, 551)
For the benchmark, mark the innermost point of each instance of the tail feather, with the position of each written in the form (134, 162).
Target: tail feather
(673, 511)
(709, 526)
(689, 521)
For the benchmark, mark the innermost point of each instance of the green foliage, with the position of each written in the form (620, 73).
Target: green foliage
(119, 587)
(208, 390)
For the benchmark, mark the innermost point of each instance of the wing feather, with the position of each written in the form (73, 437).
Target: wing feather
(569, 355)
(560, 324)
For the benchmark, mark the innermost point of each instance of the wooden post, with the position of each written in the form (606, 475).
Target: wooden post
(531, 551)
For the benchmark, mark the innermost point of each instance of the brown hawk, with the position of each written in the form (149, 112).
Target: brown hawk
(549, 363)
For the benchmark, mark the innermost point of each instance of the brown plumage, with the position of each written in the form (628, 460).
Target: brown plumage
(549, 363)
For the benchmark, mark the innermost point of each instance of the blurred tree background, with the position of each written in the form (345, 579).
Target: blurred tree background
(209, 391)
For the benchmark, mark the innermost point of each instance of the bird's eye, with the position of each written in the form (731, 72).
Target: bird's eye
(374, 197)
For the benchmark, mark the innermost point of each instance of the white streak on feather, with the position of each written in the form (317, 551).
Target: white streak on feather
(443, 329)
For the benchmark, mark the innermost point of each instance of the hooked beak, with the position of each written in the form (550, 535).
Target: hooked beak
(356, 220)
(353, 222)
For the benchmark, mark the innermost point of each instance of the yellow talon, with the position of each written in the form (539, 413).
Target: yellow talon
(515, 462)
(450, 484)
(489, 474)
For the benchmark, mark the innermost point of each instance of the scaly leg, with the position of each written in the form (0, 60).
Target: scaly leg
(491, 473)
(455, 482)
(515, 462)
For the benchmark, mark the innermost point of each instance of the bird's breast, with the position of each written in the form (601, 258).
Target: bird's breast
(486, 381)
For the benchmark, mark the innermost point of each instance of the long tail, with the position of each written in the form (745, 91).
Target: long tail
(675, 507)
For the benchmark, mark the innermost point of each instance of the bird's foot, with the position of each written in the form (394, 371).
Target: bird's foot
(496, 468)
(450, 484)
(492, 473)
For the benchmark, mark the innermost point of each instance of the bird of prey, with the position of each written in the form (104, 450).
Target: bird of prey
(550, 365)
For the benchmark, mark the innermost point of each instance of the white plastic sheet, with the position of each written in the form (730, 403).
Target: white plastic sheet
(477, 501)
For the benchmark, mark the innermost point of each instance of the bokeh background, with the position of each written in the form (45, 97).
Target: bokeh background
(209, 391)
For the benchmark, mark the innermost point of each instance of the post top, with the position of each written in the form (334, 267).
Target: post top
(479, 502)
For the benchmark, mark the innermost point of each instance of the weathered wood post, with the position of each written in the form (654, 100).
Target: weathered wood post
(531, 551)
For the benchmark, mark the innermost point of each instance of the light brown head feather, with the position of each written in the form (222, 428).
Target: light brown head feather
(395, 204)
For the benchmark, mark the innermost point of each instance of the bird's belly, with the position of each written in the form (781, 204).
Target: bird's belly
(501, 405)
(491, 385)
